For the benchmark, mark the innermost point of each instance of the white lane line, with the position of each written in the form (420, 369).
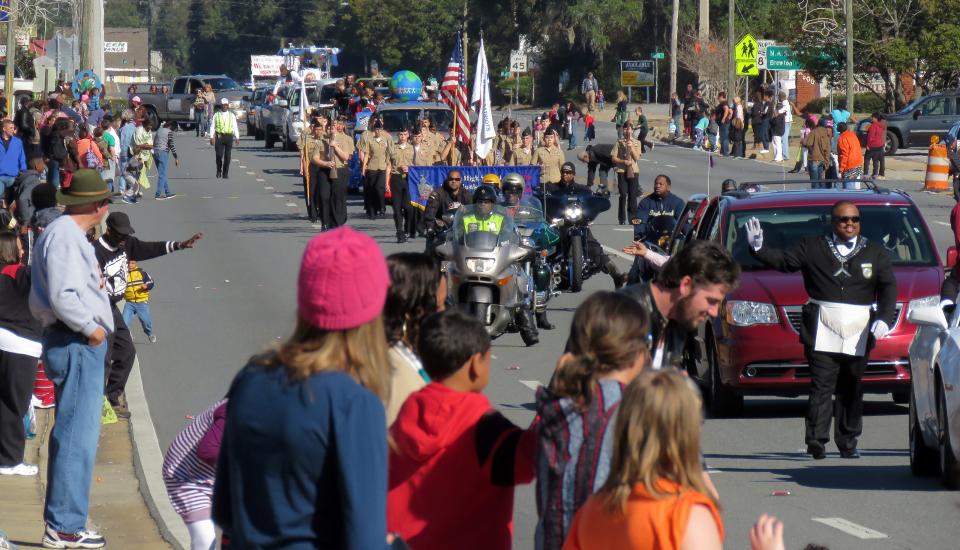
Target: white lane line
(292, 204)
(851, 528)
(612, 250)
(630, 229)
(645, 160)
(206, 197)
(278, 195)
(242, 166)
(268, 188)
(532, 384)
(249, 173)
(941, 223)
(261, 179)
(669, 166)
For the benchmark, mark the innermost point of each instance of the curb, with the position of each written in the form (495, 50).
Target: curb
(148, 463)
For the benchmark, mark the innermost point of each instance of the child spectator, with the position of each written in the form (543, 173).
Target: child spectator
(589, 130)
(455, 460)
(600, 98)
(655, 495)
(700, 131)
(130, 186)
(137, 298)
(189, 469)
(738, 136)
(577, 409)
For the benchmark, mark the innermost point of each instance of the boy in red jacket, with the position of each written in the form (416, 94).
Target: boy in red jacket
(455, 460)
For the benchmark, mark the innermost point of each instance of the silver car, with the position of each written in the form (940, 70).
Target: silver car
(935, 394)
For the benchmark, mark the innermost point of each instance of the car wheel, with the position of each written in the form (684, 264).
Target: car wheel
(923, 459)
(721, 400)
(902, 397)
(891, 143)
(949, 468)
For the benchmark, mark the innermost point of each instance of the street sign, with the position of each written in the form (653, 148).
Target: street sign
(518, 61)
(762, 46)
(637, 74)
(658, 55)
(4, 10)
(745, 54)
(781, 58)
(505, 73)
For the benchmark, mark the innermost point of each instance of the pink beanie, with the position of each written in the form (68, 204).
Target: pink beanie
(343, 280)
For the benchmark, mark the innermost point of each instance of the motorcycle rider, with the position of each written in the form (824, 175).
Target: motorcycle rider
(441, 203)
(484, 218)
(594, 249)
(512, 189)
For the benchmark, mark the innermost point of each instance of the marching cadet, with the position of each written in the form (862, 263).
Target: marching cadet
(845, 274)
(424, 153)
(550, 158)
(374, 159)
(522, 154)
(431, 136)
(311, 143)
(343, 148)
(401, 158)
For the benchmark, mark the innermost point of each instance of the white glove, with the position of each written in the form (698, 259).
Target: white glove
(754, 233)
(879, 329)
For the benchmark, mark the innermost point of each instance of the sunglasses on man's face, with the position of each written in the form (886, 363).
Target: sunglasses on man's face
(453, 179)
(847, 219)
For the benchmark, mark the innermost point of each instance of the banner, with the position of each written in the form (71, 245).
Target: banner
(422, 180)
(265, 65)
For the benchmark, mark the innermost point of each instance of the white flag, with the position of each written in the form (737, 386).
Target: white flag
(481, 103)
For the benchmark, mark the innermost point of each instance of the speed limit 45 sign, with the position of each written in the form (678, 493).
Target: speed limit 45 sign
(518, 62)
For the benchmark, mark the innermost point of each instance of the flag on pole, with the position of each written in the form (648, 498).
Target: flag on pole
(454, 92)
(481, 103)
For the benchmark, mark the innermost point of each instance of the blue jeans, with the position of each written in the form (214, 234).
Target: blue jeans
(76, 370)
(53, 173)
(816, 173)
(142, 311)
(6, 184)
(162, 158)
(724, 138)
(786, 137)
(764, 130)
(122, 169)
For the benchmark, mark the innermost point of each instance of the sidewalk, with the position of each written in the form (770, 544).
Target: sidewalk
(117, 508)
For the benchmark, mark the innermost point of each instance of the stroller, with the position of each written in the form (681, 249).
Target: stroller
(131, 178)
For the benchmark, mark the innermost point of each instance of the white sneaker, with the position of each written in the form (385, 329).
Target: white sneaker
(21, 469)
(764, 151)
(80, 539)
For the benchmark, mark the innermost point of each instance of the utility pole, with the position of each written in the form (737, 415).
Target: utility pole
(703, 36)
(673, 46)
(93, 21)
(848, 8)
(11, 55)
(731, 64)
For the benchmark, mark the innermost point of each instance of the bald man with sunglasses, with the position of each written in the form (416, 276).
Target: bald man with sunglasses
(845, 274)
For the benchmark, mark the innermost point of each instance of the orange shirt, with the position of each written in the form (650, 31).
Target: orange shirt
(648, 523)
(848, 149)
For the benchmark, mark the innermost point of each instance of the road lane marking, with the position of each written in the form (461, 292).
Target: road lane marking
(206, 197)
(851, 528)
(261, 179)
(242, 166)
(249, 173)
(291, 204)
(532, 384)
(941, 223)
(268, 188)
(278, 195)
(669, 166)
(623, 229)
(617, 252)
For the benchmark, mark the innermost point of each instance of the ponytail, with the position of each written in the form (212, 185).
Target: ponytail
(575, 379)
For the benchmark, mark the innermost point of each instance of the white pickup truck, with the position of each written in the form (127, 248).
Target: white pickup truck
(281, 122)
(22, 87)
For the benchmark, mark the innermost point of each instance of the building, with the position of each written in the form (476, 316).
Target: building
(126, 54)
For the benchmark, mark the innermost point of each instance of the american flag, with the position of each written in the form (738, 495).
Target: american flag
(454, 92)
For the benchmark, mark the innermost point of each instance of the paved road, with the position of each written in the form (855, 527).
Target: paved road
(234, 294)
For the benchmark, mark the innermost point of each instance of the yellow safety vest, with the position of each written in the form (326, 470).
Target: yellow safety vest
(223, 123)
(492, 224)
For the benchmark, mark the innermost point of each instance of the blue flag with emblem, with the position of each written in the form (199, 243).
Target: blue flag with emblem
(422, 180)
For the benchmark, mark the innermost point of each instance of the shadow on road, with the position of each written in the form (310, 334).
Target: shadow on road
(797, 408)
(852, 475)
(282, 171)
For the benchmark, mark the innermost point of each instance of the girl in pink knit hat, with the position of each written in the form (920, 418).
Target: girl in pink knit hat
(303, 459)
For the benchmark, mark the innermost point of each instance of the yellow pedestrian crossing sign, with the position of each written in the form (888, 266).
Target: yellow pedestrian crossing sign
(745, 53)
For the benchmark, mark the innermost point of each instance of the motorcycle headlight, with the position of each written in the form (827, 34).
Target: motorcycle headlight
(926, 301)
(745, 314)
(480, 265)
(528, 242)
(573, 212)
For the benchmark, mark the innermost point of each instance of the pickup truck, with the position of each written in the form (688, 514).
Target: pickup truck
(916, 123)
(178, 103)
(22, 87)
(281, 121)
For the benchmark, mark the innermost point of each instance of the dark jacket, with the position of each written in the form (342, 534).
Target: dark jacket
(302, 465)
(15, 313)
(23, 187)
(113, 261)
(663, 331)
(438, 205)
(652, 207)
(599, 155)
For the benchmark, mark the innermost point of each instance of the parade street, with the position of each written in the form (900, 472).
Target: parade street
(234, 294)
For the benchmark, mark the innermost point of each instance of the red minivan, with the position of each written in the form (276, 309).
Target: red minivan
(753, 347)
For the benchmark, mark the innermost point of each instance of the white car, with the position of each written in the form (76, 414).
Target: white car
(935, 394)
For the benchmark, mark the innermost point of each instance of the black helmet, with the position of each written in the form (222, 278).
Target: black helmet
(484, 193)
(728, 185)
(512, 184)
(569, 167)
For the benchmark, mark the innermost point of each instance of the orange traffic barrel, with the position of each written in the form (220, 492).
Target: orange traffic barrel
(938, 167)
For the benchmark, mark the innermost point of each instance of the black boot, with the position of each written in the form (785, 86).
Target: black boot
(543, 322)
(619, 279)
(528, 327)
(796, 168)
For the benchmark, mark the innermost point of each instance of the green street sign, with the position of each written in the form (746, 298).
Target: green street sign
(658, 55)
(504, 73)
(781, 58)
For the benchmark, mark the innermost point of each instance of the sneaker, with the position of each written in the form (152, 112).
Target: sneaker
(21, 469)
(152, 338)
(764, 151)
(170, 195)
(128, 200)
(80, 539)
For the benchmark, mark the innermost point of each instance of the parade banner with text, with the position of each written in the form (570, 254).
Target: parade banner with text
(424, 179)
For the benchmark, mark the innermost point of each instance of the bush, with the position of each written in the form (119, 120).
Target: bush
(526, 83)
(863, 103)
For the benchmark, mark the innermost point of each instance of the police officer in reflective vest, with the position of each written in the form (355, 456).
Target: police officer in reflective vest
(483, 217)
(224, 133)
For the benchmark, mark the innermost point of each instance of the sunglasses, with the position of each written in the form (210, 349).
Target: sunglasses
(847, 219)
(453, 179)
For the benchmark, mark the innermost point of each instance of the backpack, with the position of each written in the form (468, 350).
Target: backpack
(91, 160)
(58, 149)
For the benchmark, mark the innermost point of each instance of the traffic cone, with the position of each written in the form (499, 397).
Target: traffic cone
(938, 167)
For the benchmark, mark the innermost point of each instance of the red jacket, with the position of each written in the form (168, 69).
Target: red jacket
(877, 135)
(453, 466)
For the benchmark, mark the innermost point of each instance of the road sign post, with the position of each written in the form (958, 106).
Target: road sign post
(518, 64)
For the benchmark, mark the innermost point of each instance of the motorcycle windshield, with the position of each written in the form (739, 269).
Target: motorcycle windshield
(591, 204)
(532, 225)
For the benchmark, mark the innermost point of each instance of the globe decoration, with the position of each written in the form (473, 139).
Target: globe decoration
(406, 86)
(84, 82)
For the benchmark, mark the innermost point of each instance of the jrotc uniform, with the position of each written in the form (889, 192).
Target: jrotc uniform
(400, 156)
(521, 157)
(338, 196)
(550, 160)
(376, 151)
(843, 279)
(309, 144)
(321, 181)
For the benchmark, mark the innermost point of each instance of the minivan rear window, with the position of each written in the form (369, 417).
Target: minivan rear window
(898, 228)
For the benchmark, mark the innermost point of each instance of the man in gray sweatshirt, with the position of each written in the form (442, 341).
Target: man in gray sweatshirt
(68, 296)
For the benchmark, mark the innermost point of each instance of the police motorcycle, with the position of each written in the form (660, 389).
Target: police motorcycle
(539, 238)
(484, 254)
(573, 211)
